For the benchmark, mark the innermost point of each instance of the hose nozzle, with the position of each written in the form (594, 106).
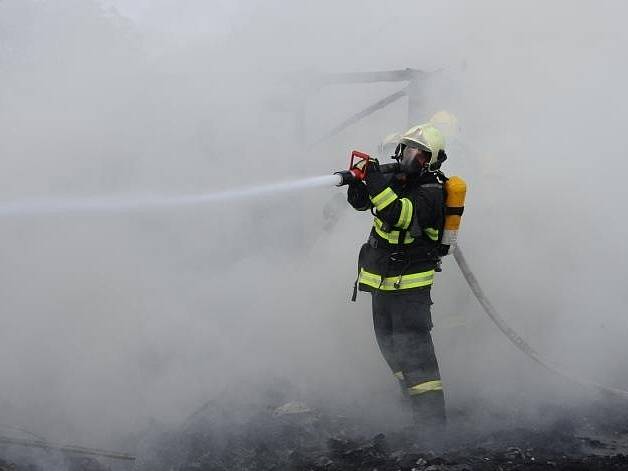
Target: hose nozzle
(345, 177)
(356, 174)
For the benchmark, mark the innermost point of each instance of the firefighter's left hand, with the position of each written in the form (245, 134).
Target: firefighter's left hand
(372, 166)
(367, 165)
(375, 179)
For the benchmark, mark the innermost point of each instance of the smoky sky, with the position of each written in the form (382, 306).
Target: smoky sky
(111, 320)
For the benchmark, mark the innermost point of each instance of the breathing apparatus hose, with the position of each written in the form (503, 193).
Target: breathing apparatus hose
(516, 339)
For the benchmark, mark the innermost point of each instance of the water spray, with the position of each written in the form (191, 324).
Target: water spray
(139, 202)
(146, 201)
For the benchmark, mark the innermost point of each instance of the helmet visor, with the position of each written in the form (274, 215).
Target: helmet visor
(412, 159)
(411, 153)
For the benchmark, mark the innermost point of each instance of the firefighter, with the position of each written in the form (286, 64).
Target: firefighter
(398, 262)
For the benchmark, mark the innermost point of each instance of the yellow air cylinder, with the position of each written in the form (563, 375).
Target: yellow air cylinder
(456, 191)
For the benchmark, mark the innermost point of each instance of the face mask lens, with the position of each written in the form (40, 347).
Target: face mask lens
(409, 153)
(411, 161)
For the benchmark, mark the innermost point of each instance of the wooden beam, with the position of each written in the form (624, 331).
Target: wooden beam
(362, 114)
(368, 77)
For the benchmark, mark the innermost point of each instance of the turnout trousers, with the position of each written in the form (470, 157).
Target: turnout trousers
(402, 323)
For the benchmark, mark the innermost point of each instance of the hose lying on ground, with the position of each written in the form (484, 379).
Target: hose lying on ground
(66, 448)
(516, 338)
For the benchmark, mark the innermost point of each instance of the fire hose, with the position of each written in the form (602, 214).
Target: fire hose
(516, 339)
(66, 448)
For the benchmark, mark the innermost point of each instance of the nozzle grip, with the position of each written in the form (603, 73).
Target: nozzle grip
(345, 177)
(357, 173)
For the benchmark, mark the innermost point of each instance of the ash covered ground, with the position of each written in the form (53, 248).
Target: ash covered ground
(277, 434)
(294, 436)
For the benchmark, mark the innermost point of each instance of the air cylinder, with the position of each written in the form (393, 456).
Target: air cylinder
(456, 191)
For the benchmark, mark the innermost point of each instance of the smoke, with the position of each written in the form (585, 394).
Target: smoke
(110, 320)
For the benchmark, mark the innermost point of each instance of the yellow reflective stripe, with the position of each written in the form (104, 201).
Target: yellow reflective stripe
(370, 279)
(431, 233)
(383, 199)
(398, 375)
(393, 236)
(406, 214)
(394, 283)
(428, 386)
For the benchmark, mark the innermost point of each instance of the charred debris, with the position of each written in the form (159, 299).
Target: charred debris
(292, 435)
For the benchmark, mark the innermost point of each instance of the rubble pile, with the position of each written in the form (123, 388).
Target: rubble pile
(228, 436)
(294, 437)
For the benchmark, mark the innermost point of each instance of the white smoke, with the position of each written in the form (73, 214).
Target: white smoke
(109, 320)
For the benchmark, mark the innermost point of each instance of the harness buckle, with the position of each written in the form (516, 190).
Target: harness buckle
(398, 257)
(397, 283)
(373, 242)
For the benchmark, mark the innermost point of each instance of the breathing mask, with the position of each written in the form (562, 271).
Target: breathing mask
(412, 160)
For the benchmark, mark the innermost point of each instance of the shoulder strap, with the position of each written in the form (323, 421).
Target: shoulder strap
(442, 179)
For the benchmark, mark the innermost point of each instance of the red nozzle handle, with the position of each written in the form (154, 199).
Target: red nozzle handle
(356, 158)
(361, 155)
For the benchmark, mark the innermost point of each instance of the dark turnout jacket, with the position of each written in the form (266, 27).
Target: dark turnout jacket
(402, 250)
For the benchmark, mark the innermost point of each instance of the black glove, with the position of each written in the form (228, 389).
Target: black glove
(375, 180)
(358, 196)
(372, 165)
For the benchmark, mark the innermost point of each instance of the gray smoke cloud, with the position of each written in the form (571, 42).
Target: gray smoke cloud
(111, 320)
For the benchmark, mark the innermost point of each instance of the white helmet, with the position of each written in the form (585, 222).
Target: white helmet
(426, 137)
